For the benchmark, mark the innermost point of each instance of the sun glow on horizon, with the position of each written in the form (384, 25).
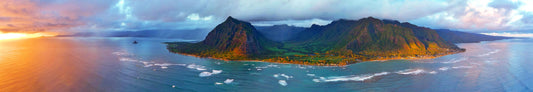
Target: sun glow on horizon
(8, 36)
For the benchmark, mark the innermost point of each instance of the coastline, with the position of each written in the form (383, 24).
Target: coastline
(358, 60)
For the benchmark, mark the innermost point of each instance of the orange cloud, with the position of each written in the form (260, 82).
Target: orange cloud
(30, 16)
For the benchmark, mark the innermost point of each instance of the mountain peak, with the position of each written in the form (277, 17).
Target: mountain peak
(315, 25)
(369, 19)
(390, 21)
(231, 19)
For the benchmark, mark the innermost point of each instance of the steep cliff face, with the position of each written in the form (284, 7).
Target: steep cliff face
(374, 37)
(232, 39)
(338, 43)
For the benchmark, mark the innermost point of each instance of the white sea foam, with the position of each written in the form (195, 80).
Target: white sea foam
(218, 83)
(163, 65)
(489, 53)
(228, 81)
(268, 66)
(433, 72)
(197, 67)
(127, 59)
(461, 67)
(286, 76)
(351, 77)
(148, 65)
(316, 80)
(311, 75)
(151, 63)
(411, 71)
(120, 53)
(217, 71)
(205, 74)
(200, 69)
(272, 65)
(282, 75)
(145, 63)
(282, 82)
(444, 68)
(455, 60)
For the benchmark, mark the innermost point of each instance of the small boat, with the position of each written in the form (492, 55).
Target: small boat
(135, 42)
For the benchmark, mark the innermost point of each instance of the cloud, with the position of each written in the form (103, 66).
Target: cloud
(299, 23)
(97, 15)
(528, 18)
(274, 11)
(477, 15)
(49, 15)
(504, 4)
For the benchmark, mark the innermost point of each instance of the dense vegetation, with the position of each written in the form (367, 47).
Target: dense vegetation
(339, 43)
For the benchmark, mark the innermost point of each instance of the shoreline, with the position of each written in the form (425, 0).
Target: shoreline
(335, 64)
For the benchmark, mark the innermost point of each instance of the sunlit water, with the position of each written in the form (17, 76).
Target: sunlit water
(115, 64)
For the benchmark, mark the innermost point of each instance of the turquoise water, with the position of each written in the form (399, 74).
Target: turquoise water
(114, 64)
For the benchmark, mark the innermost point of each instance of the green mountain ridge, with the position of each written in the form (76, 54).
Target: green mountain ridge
(373, 37)
(338, 43)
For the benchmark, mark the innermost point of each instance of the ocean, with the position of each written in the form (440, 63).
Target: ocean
(60, 64)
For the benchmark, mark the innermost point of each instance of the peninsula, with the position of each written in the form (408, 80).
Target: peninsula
(339, 43)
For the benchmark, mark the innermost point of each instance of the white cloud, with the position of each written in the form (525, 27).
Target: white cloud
(185, 14)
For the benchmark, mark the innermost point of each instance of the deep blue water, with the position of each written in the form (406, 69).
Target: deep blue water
(114, 64)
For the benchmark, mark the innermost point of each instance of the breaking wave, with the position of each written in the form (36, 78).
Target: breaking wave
(411, 71)
(213, 72)
(282, 75)
(489, 53)
(124, 56)
(444, 68)
(282, 82)
(455, 60)
(228, 81)
(205, 74)
(197, 67)
(350, 78)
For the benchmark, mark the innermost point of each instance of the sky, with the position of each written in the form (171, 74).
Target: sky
(68, 16)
